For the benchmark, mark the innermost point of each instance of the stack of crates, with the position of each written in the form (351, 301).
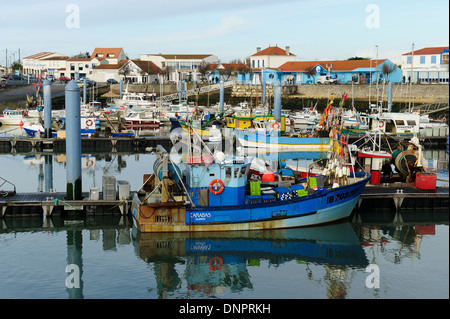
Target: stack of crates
(268, 195)
(298, 191)
(255, 188)
(109, 188)
(283, 193)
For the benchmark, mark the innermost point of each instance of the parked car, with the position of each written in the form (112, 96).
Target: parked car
(64, 78)
(90, 82)
(80, 83)
(111, 81)
(326, 79)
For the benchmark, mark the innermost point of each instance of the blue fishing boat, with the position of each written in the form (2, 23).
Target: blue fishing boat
(275, 141)
(215, 192)
(88, 125)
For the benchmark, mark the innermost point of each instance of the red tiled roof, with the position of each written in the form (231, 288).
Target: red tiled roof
(147, 66)
(56, 58)
(272, 51)
(228, 66)
(105, 52)
(183, 56)
(342, 65)
(79, 59)
(425, 51)
(39, 55)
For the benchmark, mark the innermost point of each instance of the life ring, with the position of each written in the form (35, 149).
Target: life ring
(220, 190)
(215, 263)
(381, 124)
(143, 142)
(89, 122)
(276, 126)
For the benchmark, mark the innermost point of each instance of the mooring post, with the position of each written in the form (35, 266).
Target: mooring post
(389, 96)
(47, 109)
(121, 87)
(84, 91)
(73, 141)
(221, 100)
(180, 97)
(277, 102)
(264, 93)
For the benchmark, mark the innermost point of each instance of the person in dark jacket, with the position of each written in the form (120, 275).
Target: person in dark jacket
(386, 171)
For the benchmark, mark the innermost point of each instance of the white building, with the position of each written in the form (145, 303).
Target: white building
(429, 65)
(182, 66)
(44, 63)
(271, 57)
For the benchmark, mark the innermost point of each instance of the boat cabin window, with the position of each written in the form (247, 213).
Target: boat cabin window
(411, 122)
(236, 172)
(243, 171)
(228, 172)
(399, 122)
(212, 174)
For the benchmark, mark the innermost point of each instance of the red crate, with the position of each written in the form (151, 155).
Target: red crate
(426, 181)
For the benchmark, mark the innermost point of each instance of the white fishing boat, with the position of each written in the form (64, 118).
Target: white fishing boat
(14, 117)
(131, 99)
(307, 119)
(140, 119)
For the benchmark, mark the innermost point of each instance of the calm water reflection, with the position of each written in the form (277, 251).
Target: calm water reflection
(103, 257)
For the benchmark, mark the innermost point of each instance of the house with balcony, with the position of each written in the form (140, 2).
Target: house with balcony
(183, 67)
(427, 65)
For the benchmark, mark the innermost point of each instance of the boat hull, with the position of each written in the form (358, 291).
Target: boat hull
(325, 206)
(281, 143)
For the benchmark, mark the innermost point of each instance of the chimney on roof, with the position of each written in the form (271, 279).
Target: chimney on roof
(288, 48)
(258, 49)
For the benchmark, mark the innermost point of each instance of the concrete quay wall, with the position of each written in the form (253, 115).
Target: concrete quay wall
(418, 93)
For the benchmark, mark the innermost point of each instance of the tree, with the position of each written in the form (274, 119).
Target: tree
(203, 69)
(125, 71)
(387, 69)
(311, 71)
(80, 55)
(165, 71)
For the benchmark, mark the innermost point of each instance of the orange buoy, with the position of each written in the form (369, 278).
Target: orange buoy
(268, 177)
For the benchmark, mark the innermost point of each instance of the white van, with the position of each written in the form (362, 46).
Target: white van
(326, 79)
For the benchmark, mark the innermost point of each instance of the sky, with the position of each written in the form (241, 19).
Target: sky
(230, 29)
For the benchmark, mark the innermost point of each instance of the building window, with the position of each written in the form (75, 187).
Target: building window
(262, 63)
(433, 59)
(110, 55)
(422, 59)
(445, 58)
(253, 63)
(408, 60)
(258, 63)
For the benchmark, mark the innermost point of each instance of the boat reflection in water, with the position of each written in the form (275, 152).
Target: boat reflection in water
(218, 261)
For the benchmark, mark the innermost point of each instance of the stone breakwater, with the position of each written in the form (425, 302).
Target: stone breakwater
(419, 93)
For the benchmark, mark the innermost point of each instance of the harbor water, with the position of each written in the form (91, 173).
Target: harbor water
(104, 257)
